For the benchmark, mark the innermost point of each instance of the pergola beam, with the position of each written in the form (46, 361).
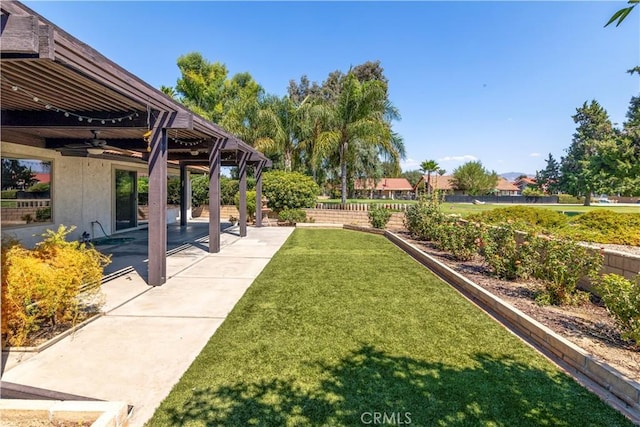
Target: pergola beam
(214, 196)
(158, 204)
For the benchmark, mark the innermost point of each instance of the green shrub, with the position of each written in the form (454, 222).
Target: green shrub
(199, 190)
(621, 297)
(44, 285)
(461, 238)
(9, 194)
(39, 187)
(378, 216)
(43, 214)
(560, 264)
(508, 254)
(289, 190)
(532, 192)
(292, 216)
(423, 219)
(524, 217)
(605, 226)
(251, 203)
(173, 190)
(567, 199)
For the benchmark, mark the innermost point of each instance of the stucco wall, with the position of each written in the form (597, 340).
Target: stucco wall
(81, 192)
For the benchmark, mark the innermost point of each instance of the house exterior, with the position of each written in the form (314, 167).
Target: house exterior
(86, 143)
(505, 188)
(385, 188)
(442, 183)
(523, 183)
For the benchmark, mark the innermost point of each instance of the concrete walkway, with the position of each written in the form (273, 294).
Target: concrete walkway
(150, 336)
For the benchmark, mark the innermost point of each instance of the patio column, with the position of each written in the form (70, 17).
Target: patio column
(214, 196)
(185, 194)
(242, 172)
(158, 207)
(258, 175)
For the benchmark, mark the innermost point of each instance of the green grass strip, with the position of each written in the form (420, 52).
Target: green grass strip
(341, 326)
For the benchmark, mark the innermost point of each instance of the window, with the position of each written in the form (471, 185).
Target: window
(26, 191)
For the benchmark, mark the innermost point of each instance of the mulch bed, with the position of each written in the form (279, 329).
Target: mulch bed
(589, 326)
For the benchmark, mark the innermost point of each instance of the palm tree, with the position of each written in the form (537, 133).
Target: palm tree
(428, 167)
(358, 116)
(279, 129)
(313, 119)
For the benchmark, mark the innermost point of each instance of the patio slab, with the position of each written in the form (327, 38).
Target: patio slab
(150, 336)
(214, 299)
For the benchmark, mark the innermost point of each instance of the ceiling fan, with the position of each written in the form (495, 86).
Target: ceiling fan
(93, 145)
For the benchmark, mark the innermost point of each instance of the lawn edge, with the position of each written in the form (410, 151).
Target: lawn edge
(614, 388)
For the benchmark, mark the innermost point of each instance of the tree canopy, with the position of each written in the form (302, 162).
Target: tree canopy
(473, 179)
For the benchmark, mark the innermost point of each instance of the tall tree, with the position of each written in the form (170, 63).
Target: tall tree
(206, 89)
(548, 179)
(473, 179)
(582, 169)
(358, 118)
(413, 176)
(315, 117)
(428, 167)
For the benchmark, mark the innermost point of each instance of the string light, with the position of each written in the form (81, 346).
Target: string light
(185, 143)
(50, 106)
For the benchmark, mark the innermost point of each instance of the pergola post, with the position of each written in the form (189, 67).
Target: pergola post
(242, 172)
(258, 176)
(158, 207)
(214, 196)
(185, 194)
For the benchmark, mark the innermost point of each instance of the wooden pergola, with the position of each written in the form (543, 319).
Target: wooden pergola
(56, 90)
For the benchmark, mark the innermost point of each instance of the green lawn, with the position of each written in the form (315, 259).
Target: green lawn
(342, 324)
(465, 209)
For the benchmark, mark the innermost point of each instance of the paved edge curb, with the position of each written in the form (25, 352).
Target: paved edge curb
(107, 414)
(52, 341)
(607, 377)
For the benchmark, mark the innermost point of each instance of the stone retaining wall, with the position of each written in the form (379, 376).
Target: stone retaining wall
(332, 216)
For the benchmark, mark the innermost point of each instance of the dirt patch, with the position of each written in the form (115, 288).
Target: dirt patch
(589, 326)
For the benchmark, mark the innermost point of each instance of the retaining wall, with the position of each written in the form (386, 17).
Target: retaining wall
(580, 361)
(334, 216)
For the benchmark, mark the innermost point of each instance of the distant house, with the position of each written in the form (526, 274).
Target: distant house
(442, 183)
(385, 188)
(506, 188)
(524, 182)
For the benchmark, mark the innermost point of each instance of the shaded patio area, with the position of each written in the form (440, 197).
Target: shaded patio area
(129, 250)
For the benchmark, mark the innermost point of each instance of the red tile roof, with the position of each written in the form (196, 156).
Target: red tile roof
(438, 182)
(504, 185)
(385, 184)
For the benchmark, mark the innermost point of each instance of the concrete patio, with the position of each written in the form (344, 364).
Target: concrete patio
(150, 335)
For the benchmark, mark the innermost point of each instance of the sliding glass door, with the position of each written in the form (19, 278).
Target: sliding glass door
(126, 199)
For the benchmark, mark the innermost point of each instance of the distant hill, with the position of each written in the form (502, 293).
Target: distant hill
(510, 176)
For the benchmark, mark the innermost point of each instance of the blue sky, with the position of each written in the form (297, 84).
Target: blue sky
(494, 81)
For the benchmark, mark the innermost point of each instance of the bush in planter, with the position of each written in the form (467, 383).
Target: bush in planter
(289, 190)
(508, 255)
(199, 190)
(379, 216)
(560, 264)
(43, 286)
(621, 297)
(423, 219)
(251, 204)
(292, 216)
(461, 238)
